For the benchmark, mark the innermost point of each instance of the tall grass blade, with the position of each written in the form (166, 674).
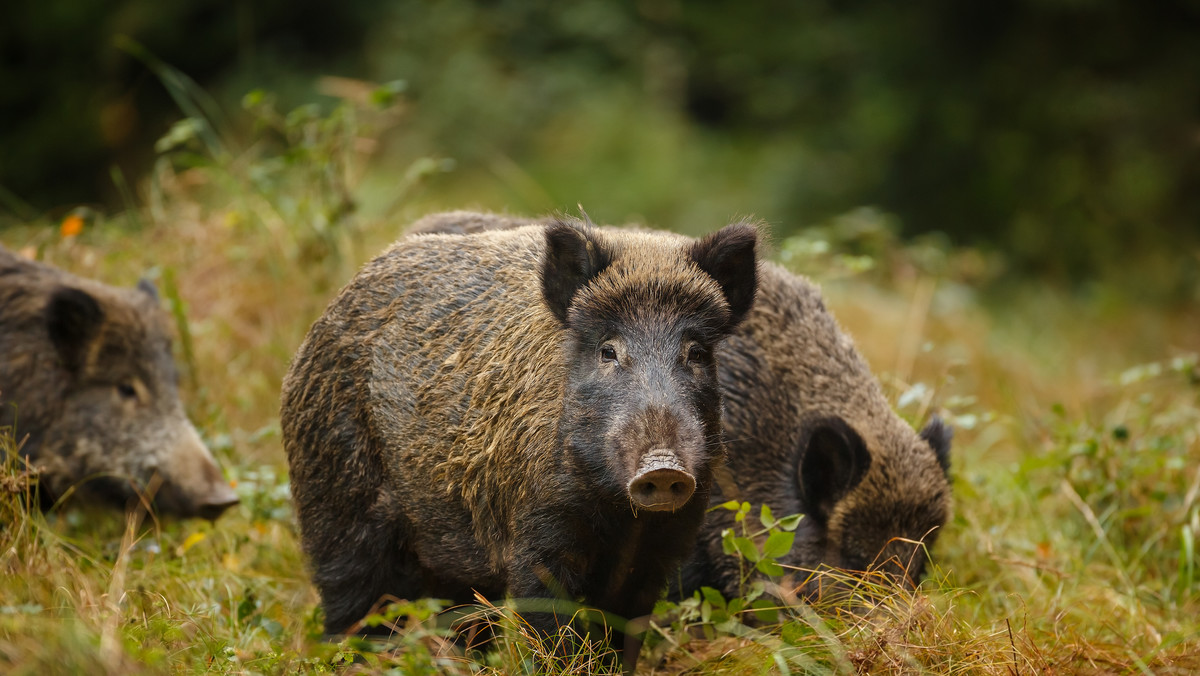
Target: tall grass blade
(189, 96)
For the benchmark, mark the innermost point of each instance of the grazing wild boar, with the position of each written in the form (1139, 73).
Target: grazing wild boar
(808, 430)
(532, 412)
(87, 380)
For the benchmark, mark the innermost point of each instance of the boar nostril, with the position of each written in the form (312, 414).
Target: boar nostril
(661, 483)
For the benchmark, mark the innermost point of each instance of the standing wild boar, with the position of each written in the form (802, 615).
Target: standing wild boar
(809, 431)
(532, 412)
(88, 382)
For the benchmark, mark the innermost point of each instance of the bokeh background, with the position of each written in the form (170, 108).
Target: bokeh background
(1061, 138)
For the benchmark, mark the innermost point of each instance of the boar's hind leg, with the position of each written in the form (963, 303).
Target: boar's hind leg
(360, 574)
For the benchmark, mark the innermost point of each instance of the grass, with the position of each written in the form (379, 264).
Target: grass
(1077, 481)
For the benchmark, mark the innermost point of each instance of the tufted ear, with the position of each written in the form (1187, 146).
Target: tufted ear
(938, 435)
(73, 320)
(575, 254)
(729, 256)
(147, 287)
(833, 460)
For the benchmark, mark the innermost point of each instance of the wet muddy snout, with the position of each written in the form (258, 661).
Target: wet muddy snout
(661, 483)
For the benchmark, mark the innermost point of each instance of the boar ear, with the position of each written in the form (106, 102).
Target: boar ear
(938, 435)
(147, 287)
(728, 256)
(73, 319)
(833, 460)
(574, 255)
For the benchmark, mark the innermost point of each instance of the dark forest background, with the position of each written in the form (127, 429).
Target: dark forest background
(1061, 135)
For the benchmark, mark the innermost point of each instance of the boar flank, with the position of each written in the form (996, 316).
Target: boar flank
(531, 411)
(87, 380)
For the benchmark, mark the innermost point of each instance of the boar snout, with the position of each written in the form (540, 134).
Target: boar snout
(193, 484)
(207, 501)
(661, 483)
(216, 502)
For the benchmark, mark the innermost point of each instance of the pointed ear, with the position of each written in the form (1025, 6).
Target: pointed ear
(147, 287)
(938, 435)
(575, 254)
(73, 319)
(729, 256)
(833, 460)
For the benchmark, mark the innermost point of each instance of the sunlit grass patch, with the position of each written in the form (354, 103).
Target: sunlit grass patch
(86, 591)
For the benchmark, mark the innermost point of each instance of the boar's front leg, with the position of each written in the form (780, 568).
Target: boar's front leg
(545, 590)
(547, 587)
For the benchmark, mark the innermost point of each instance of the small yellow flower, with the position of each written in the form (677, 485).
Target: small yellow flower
(189, 543)
(71, 225)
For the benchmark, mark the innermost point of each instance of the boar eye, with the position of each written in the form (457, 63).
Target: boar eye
(608, 353)
(127, 391)
(696, 354)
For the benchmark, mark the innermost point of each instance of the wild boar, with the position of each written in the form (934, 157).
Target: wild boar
(810, 431)
(532, 411)
(88, 386)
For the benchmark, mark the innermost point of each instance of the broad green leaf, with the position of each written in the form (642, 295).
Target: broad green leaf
(790, 522)
(727, 542)
(713, 597)
(769, 567)
(765, 516)
(778, 544)
(745, 547)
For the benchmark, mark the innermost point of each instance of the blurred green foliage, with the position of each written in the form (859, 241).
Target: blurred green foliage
(72, 102)
(1064, 134)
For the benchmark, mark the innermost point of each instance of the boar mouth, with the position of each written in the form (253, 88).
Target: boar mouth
(661, 483)
(171, 498)
(213, 505)
(212, 511)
